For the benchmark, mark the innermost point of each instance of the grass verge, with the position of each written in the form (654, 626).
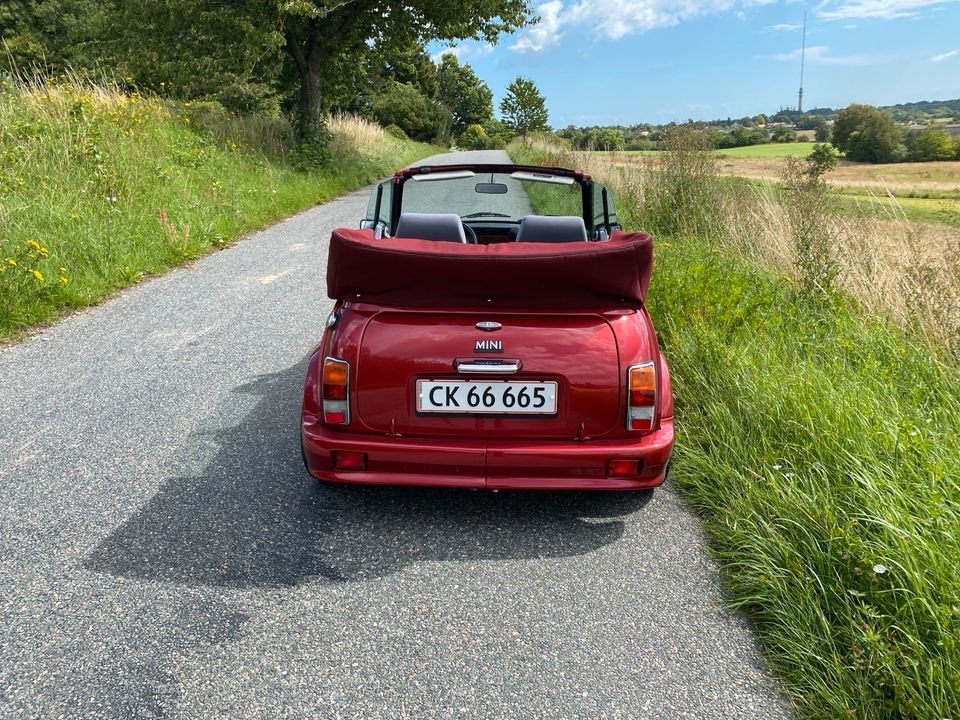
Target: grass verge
(822, 451)
(99, 189)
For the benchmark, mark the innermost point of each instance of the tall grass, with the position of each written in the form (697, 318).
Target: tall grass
(100, 188)
(821, 445)
(906, 271)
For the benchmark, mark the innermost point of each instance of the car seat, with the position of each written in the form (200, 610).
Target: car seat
(552, 229)
(445, 227)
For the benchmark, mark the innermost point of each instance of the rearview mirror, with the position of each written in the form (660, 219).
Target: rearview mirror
(491, 188)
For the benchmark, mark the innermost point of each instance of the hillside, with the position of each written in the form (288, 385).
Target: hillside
(99, 188)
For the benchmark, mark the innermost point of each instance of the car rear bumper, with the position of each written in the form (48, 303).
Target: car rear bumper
(495, 464)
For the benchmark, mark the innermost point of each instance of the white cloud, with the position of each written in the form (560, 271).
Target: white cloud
(545, 33)
(945, 56)
(785, 26)
(615, 18)
(849, 9)
(820, 55)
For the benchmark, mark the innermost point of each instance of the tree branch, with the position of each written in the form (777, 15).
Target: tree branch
(296, 52)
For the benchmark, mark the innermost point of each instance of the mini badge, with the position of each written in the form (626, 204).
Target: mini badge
(489, 325)
(488, 346)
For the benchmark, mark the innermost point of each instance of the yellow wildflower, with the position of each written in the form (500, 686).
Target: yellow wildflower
(11, 261)
(64, 280)
(63, 270)
(44, 251)
(37, 274)
(34, 244)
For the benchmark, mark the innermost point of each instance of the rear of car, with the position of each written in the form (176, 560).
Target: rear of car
(492, 391)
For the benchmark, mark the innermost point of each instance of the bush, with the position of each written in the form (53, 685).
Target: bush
(313, 148)
(685, 201)
(498, 132)
(418, 116)
(783, 134)
(930, 145)
(474, 138)
(395, 131)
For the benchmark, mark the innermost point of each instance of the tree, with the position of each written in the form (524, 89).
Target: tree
(524, 108)
(866, 134)
(466, 96)
(47, 34)
(412, 66)
(418, 116)
(474, 137)
(822, 132)
(783, 134)
(821, 160)
(317, 32)
(930, 145)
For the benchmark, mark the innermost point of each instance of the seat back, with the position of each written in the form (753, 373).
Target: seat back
(552, 229)
(431, 226)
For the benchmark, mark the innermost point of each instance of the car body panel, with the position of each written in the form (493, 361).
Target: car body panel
(392, 347)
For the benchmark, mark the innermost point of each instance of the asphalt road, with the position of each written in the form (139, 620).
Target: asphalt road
(164, 555)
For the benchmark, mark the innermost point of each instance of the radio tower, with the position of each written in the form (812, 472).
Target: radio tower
(803, 53)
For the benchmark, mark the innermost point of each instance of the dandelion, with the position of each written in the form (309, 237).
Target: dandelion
(64, 280)
(63, 270)
(33, 244)
(11, 261)
(37, 274)
(44, 252)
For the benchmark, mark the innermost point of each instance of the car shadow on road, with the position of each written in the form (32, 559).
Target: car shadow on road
(252, 517)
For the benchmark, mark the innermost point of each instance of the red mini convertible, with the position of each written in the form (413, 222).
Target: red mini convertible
(476, 343)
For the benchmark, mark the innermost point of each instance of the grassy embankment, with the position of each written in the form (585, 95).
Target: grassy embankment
(920, 192)
(99, 189)
(820, 443)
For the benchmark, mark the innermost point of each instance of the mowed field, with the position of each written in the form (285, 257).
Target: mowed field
(923, 192)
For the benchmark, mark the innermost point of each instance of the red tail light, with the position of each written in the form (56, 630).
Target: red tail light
(623, 468)
(347, 460)
(641, 396)
(335, 392)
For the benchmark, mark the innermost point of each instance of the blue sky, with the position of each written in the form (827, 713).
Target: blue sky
(628, 61)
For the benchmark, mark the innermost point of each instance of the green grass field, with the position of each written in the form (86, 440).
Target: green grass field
(770, 150)
(938, 211)
(823, 452)
(99, 189)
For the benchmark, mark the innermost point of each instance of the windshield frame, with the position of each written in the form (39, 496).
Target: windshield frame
(401, 177)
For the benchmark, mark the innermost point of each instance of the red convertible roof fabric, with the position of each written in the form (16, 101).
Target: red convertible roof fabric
(421, 273)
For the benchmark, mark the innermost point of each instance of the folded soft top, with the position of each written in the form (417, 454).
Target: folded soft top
(423, 273)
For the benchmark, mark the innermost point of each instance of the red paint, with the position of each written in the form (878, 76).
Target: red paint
(424, 273)
(423, 327)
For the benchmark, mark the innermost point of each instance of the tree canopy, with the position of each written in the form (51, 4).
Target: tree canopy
(466, 96)
(524, 108)
(866, 134)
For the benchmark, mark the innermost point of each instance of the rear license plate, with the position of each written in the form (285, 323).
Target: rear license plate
(471, 397)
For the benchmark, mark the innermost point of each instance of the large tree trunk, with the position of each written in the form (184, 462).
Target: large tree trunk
(307, 56)
(310, 108)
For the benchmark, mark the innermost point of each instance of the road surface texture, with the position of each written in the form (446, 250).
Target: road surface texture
(164, 555)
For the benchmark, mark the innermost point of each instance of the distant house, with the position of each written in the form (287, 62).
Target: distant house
(952, 129)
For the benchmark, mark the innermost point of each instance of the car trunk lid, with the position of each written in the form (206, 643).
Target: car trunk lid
(575, 350)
